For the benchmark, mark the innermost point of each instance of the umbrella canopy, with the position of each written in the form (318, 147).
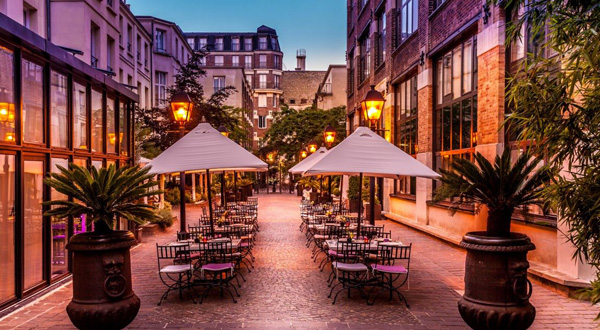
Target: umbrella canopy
(204, 148)
(368, 153)
(308, 161)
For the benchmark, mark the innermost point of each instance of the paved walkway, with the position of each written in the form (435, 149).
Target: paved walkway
(286, 289)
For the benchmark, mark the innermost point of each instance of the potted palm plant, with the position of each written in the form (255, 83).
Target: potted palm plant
(103, 297)
(497, 290)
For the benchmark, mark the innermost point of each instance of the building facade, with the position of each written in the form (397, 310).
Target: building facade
(259, 54)
(441, 65)
(54, 109)
(108, 38)
(169, 51)
(332, 91)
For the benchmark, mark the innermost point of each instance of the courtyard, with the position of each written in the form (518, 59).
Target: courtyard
(286, 289)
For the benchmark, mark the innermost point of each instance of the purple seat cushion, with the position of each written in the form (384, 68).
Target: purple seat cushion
(399, 269)
(332, 252)
(218, 267)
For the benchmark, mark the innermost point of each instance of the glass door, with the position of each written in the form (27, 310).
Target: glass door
(7, 227)
(33, 240)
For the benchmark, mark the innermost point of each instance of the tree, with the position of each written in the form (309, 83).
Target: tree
(292, 130)
(158, 127)
(556, 102)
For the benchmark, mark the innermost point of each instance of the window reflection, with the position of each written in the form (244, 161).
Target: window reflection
(33, 102)
(33, 240)
(58, 229)
(110, 125)
(79, 116)
(58, 108)
(7, 227)
(97, 119)
(7, 98)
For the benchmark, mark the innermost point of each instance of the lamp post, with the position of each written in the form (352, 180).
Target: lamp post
(329, 137)
(312, 147)
(372, 105)
(223, 130)
(303, 153)
(181, 105)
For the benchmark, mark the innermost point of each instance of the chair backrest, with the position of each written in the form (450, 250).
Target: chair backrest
(216, 251)
(177, 253)
(350, 252)
(337, 231)
(195, 232)
(371, 232)
(390, 254)
(204, 220)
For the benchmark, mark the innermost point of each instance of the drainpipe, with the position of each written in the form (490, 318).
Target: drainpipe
(48, 26)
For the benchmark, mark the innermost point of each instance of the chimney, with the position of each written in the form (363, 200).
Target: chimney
(301, 60)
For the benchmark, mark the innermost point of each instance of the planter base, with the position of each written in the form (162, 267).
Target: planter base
(115, 315)
(497, 290)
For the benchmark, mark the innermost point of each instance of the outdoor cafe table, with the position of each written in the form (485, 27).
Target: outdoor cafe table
(235, 243)
(373, 244)
(322, 227)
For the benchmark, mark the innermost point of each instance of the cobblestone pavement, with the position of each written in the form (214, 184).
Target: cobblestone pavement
(286, 290)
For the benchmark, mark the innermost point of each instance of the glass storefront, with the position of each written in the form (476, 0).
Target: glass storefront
(51, 114)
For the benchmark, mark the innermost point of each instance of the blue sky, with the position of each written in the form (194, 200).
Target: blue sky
(319, 26)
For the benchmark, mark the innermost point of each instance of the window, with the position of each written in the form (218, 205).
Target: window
(262, 61)
(111, 117)
(59, 234)
(275, 100)
(33, 102)
(248, 61)
(362, 4)
(110, 49)
(276, 62)
(160, 40)
(262, 43)
(94, 45)
(202, 43)
(123, 129)
(456, 104)
(219, 60)
(365, 58)
(262, 81)
(33, 247)
(7, 100)
(262, 122)
(58, 110)
(235, 60)
(249, 79)
(248, 44)
(274, 45)
(218, 83)
(437, 3)
(408, 18)
(129, 38)
(292, 101)
(276, 79)
(97, 122)
(406, 127)
(79, 116)
(351, 72)
(262, 100)
(219, 44)
(161, 88)
(190, 42)
(381, 35)
(235, 44)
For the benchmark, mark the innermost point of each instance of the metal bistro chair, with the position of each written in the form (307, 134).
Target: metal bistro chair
(177, 274)
(392, 271)
(218, 268)
(349, 270)
(371, 232)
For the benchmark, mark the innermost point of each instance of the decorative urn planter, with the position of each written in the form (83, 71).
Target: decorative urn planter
(103, 297)
(497, 290)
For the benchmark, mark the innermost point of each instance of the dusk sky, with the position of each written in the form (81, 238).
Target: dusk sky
(315, 25)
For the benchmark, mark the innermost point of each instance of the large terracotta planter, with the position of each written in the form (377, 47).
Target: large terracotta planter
(354, 205)
(497, 290)
(377, 211)
(103, 297)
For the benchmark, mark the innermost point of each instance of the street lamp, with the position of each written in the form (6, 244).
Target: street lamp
(223, 130)
(372, 106)
(303, 153)
(329, 135)
(181, 105)
(312, 147)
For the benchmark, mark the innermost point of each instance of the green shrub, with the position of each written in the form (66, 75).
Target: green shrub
(164, 218)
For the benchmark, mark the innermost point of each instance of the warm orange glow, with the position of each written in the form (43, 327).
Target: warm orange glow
(7, 112)
(474, 138)
(181, 114)
(223, 130)
(270, 157)
(112, 138)
(416, 148)
(10, 137)
(312, 147)
(303, 154)
(372, 105)
(329, 135)
(182, 105)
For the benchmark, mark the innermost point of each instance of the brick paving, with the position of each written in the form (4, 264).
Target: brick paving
(286, 290)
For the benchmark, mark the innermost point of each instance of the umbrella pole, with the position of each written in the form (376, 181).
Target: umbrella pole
(223, 189)
(329, 198)
(341, 191)
(360, 179)
(182, 202)
(210, 209)
(234, 186)
(372, 200)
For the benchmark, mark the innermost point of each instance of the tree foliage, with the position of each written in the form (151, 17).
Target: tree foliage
(160, 127)
(292, 130)
(556, 102)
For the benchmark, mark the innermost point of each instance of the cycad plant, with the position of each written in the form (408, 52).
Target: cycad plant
(102, 195)
(503, 187)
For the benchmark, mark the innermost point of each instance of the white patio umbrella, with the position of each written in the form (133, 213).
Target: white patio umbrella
(366, 153)
(205, 149)
(308, 161)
